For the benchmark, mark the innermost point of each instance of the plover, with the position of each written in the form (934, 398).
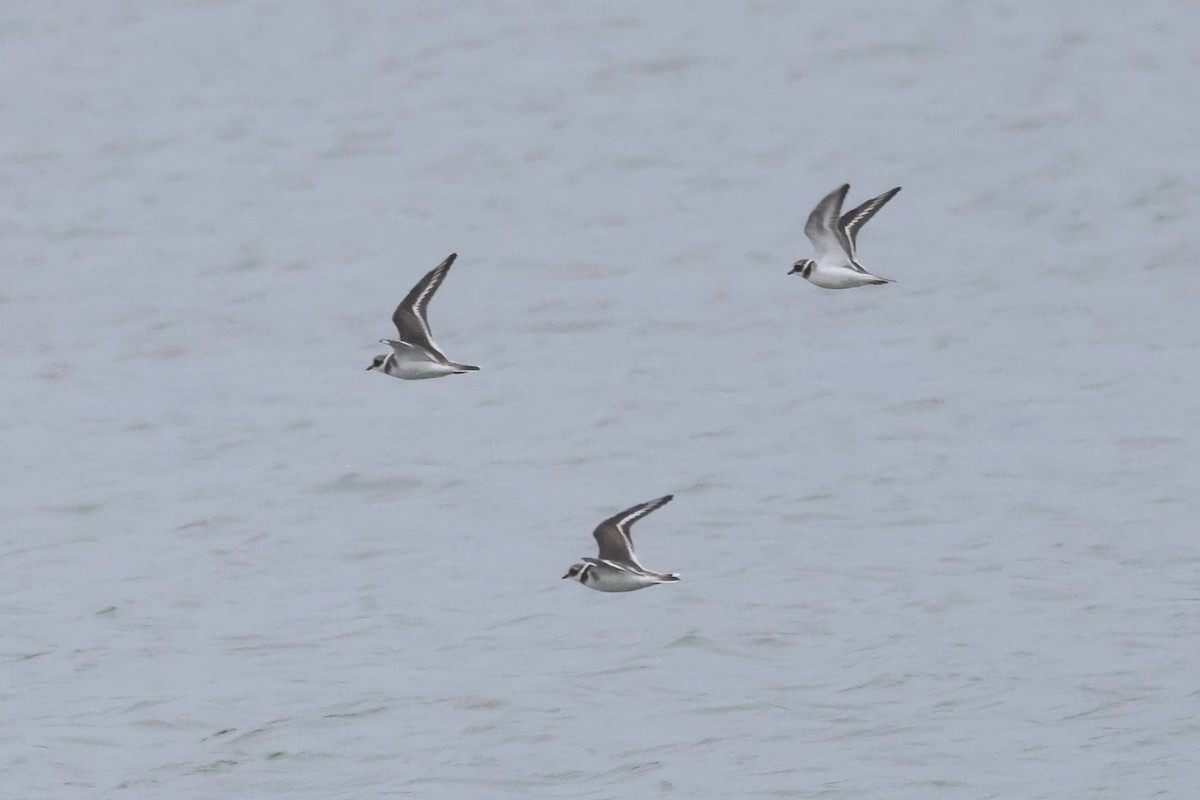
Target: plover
(836, 242)
(414, 356)
(617, 568)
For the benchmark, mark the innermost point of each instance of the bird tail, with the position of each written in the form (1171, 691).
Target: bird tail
(464, 368)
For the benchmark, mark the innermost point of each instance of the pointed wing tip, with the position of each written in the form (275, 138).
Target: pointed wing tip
(657, 502)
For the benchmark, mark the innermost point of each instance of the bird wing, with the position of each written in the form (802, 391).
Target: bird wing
(823, 230)
(616, 543)
(853, 220)
(623, 567)
(411, 316)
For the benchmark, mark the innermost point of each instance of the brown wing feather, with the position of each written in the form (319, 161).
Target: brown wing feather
(410, 317)
(853, 220)
(613, 536)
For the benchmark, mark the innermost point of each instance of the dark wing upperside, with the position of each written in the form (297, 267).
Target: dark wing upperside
(613, 536)
(411, 316)
(853, 220)
(623, 567)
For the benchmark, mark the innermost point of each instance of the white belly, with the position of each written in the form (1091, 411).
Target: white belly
(611, 580)
(840, 277)
(415, 369)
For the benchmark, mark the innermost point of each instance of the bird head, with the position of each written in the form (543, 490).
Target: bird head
(577, 572)
(803, 266)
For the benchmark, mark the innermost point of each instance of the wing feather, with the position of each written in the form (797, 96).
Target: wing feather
(853, 220)
(823, 230)
(614, 538)
(411, 316)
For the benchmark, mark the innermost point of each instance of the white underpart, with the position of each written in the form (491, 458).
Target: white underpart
(836, 276)
(614, 579)
(415, 370)
(414, 364)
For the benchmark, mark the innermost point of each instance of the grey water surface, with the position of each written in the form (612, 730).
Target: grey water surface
(938, 539)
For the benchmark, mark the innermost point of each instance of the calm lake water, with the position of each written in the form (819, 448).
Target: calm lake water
(938, 539)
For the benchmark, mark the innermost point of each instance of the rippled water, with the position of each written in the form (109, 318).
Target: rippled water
(938, 539)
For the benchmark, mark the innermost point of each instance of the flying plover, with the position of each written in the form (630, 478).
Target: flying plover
(836, 242)
(617, 568)
(414, 356)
